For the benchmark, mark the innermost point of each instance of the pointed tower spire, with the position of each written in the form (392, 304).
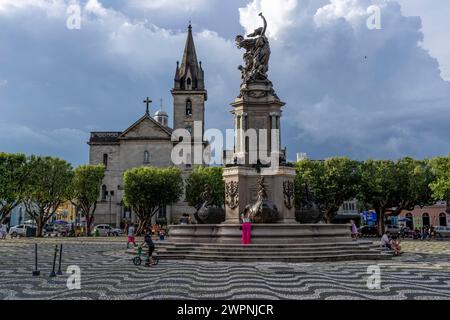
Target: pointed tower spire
(189, 75)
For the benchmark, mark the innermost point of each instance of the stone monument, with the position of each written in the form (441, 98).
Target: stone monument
(257, 177)
(257, 154)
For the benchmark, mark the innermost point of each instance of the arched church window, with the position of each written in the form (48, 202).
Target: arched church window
(189, 83)
(189, 129)
(105, 159)
(146, 157)
(442, 219)
(188, 107)
(104, 192)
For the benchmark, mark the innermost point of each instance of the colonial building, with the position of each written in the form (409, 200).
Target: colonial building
(435, 215)
(149, 142)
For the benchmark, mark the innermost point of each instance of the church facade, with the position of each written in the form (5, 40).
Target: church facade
(149, 142)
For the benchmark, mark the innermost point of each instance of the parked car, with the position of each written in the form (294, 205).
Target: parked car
(107, 230)
(393, 229)
(49, 228)
(441, 231)
(368, 231)
(19, 230)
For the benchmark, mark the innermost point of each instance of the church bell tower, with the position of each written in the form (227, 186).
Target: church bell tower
(189, 93)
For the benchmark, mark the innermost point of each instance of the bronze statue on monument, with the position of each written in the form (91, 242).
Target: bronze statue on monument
(256, 58)
(207, 212)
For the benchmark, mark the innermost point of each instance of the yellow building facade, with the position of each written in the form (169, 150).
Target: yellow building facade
(66, 212)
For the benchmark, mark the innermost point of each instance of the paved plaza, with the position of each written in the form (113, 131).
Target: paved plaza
(107, 272)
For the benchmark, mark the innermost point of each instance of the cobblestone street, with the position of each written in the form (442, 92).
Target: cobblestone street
(107, 272)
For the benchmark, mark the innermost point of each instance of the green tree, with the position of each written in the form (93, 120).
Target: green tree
(13, 177)
(393, 186)
(147, 189)
(198, 178)
(332, 182)
(440, 187)
(48, 186)
(86, 183)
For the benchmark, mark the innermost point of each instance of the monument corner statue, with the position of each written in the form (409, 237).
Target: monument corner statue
(263, 210)
(207, 212)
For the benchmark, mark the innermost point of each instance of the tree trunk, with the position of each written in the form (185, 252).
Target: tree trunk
(378, 214)
(4, 214)
(39, 227)
(3, 218)
(89, 219)
(141, 226)
(382, 214)
(380, 219)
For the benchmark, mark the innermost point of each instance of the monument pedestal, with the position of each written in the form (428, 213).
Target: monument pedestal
(246, 178)
(278, 233)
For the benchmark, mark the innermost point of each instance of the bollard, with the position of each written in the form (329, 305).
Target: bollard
(36, 272)
(59, 273)
(53, 274)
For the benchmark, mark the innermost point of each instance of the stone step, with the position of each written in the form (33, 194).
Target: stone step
(297, 252)
(297, 245)
(267, 253)
(278, 258)
(259, 250)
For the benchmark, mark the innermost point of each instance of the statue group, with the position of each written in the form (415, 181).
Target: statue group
(256, 56)
(207, 212)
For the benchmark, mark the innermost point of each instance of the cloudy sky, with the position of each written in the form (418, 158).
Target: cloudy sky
(349, 90)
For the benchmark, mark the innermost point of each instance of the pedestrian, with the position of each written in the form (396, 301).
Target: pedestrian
(354, 230)
(385, 241)
(4, 232)
(395, 245)
(246, 227)
(424, 233)
(184, 219)
(131, 236)
(151, 246)
(162, 234)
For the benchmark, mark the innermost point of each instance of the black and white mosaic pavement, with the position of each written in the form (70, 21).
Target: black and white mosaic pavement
(107, 272)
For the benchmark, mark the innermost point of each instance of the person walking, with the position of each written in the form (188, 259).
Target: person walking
(131, 236)
(246, 227)
(4, 228)
(2, 232)
(354, 230)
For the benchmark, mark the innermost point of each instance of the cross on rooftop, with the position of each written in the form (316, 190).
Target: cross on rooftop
(147, 102)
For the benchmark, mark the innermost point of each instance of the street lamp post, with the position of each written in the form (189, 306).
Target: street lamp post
(111, 194)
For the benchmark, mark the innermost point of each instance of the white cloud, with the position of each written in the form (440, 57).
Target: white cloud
(435, 25)
(347, 9)
(179, 5)
(51, 7)
(95, 7)
(279, 15)
(354, 91)
(349, 90)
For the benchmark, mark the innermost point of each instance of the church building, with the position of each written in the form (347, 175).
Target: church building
(148, 142)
